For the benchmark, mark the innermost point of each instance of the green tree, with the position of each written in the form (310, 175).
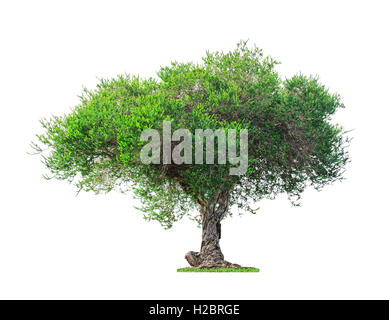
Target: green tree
(291, 142)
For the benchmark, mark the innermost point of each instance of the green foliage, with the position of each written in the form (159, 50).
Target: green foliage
(292, 143)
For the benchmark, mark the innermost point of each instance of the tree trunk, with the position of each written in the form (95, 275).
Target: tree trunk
(210, 255)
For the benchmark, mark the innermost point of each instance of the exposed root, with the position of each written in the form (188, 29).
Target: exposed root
(197, 260)
(193, 258)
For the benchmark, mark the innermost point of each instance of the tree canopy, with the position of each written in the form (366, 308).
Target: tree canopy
(292, 143)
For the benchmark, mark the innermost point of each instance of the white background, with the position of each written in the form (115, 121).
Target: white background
(54, 244)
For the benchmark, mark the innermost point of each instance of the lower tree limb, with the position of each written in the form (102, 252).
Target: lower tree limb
(210, 255)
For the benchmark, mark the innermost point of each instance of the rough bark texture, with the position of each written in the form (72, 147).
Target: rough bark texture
(210, 255)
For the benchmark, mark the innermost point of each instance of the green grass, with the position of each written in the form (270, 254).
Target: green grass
(218, 270)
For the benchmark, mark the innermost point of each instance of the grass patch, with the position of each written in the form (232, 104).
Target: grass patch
(248, 269)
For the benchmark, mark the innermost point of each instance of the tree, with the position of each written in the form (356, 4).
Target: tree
(291, 143)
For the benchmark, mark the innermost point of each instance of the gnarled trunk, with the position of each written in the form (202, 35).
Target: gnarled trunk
(210, 255)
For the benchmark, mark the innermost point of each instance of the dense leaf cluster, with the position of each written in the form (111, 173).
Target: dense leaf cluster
(292, 143)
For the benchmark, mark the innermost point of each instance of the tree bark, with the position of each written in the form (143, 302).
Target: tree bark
(210, 255)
